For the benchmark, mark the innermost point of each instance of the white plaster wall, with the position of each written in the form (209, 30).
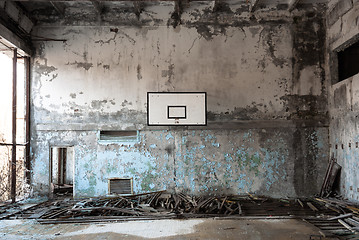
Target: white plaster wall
(95, 66)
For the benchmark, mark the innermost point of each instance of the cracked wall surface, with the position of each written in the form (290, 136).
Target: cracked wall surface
(263, 73)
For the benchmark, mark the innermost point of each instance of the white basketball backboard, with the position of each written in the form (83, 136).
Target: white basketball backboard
(176, 108)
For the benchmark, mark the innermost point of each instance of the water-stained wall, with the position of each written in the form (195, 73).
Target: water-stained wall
(263, 73)
(343, 31)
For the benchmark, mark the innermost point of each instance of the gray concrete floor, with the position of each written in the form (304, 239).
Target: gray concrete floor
(162, 229)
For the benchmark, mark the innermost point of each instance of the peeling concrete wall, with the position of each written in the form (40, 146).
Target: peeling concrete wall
(343, 30)
(264, 79)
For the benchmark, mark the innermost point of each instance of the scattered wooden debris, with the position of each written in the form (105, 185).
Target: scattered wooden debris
(11, 210)
(352, 222)
(164, 205)
(346, 223)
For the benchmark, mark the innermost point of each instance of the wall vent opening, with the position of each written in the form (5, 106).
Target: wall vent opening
(120, 186)
(119, 136)
(348, 64)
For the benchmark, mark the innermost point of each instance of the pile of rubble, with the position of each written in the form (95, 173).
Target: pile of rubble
(332, 216)
(162, 204)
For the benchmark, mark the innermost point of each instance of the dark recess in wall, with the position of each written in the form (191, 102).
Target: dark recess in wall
(348, 64)
(118, 135)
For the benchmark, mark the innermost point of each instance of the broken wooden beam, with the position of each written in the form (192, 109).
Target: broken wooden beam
(352, 222)
(122, 210)
(300, 203)
(341, 216)
(311, 206)
(346, 225)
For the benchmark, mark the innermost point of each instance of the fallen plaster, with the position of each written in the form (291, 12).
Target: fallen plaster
(145, 229)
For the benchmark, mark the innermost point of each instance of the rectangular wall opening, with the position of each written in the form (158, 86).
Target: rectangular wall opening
(62, 170)
(348, 63)
(119, 136)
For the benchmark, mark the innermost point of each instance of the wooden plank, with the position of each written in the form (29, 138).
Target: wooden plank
(326, 224)
(55, 213)
(31, 206)
(142, 194)
(311, 206)
(332, 172)
(330, 227)
(122, 210)
(341, 216)
(345, 225)
(325, 182)
(239, 208)
(300, 203)
(352, 222)
(38, 214)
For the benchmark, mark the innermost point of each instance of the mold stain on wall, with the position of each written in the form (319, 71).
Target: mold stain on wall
(343, 97)
(247, 67)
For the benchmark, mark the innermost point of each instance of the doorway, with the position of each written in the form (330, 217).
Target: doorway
(62, 170)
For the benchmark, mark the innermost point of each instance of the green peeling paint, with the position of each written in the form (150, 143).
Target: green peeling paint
(252, 162)
(149, 178)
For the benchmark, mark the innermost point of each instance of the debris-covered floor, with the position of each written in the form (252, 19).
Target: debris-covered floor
(180, 216)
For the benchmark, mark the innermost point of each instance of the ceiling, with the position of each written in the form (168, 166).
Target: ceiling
(20, 17)
(46, 11)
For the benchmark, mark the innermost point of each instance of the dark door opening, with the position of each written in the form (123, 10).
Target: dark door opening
(348, 64)
(62, 165)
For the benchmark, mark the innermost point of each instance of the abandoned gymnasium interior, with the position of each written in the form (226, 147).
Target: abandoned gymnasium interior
(179, 119)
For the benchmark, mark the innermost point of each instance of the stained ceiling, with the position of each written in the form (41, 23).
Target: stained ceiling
(44, 10)
(22, 16)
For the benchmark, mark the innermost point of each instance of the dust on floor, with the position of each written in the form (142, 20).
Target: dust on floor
(282, 229)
